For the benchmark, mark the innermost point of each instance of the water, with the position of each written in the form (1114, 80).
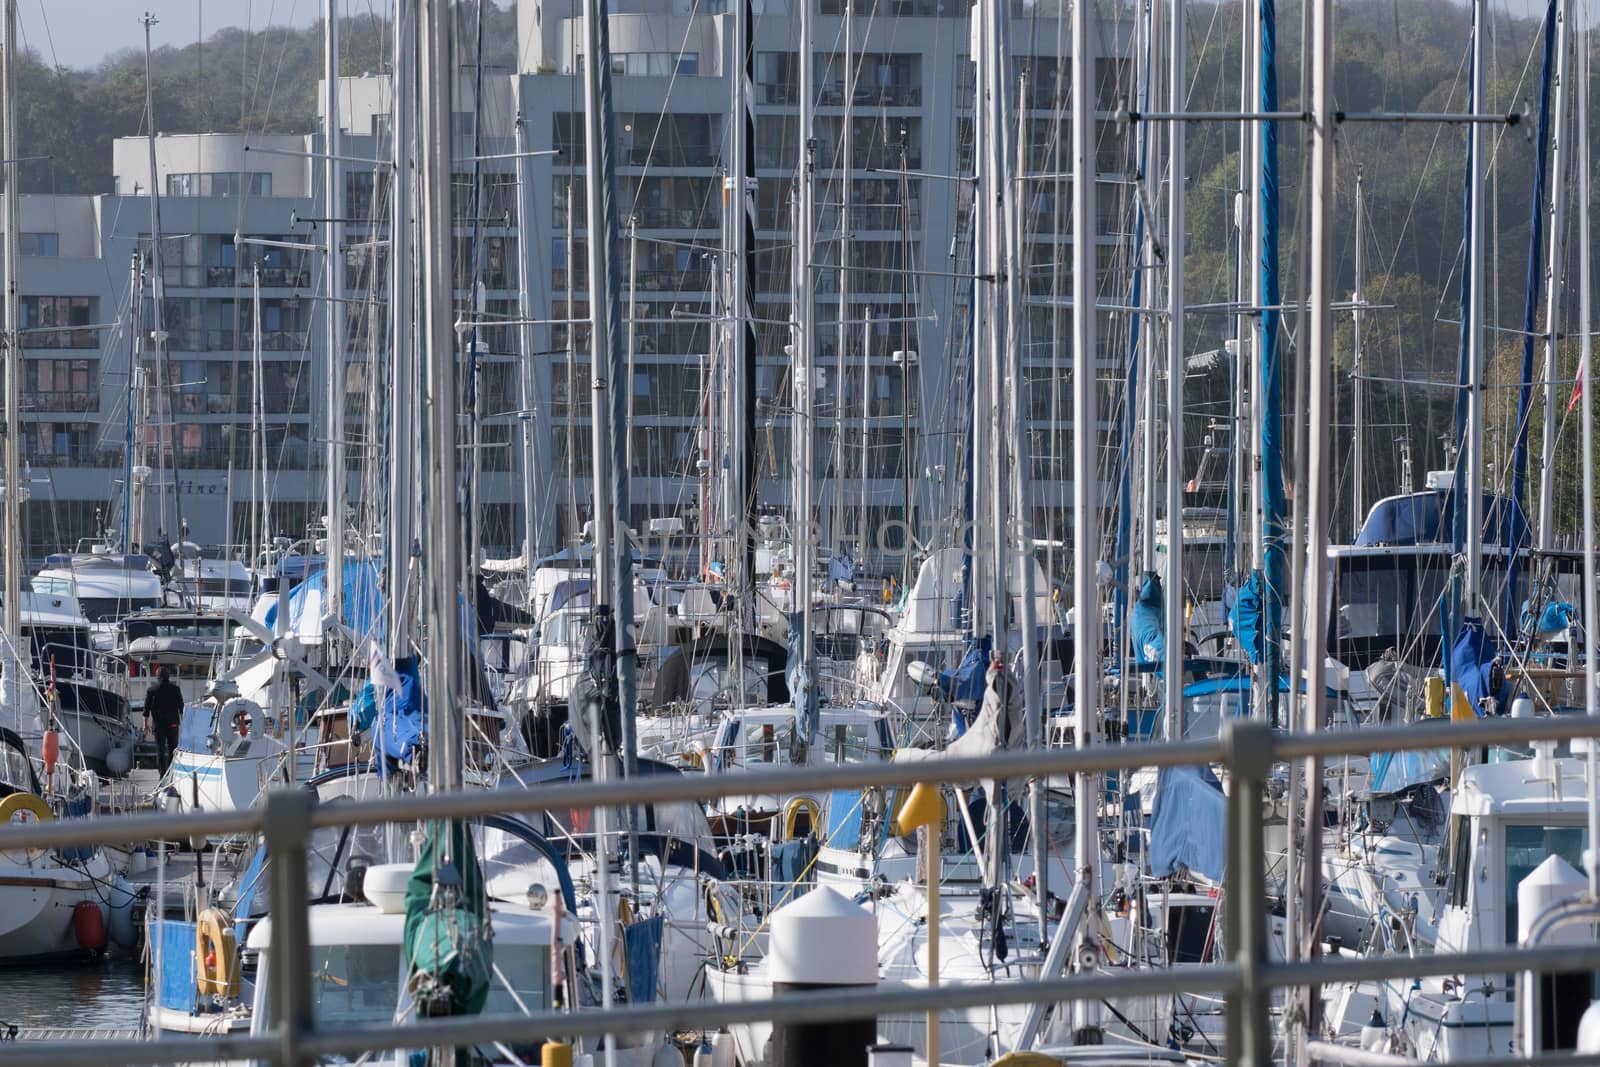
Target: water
(107, 992)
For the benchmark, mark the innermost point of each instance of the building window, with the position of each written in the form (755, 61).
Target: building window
(59, 385)
(40, 244)
(224, 183)
(651, 64)
(43, 319)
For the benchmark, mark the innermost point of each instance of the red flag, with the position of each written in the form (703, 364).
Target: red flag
(1577, 391)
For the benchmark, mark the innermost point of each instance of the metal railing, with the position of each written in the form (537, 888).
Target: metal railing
(1247, 749)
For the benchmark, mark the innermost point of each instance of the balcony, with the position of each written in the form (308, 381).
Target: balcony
(57, 401)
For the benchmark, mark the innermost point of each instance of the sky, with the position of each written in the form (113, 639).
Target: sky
(80, 33)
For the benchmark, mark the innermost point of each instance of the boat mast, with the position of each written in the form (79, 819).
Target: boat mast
(1552, 313)
(1476, 307)
(525, 366)
(443, 543)
(1358, 398)
(803, 425)
(333, 231)
(1085, 486)
(738, 191)
(1177, 82)
(13, 658)
(1319, 477)
(980, 561)
(1591, 596)
(401, 535)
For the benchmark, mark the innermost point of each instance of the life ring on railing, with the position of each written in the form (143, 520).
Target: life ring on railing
(241, 713)
(215, 948)
(24, 807)
(794, 809)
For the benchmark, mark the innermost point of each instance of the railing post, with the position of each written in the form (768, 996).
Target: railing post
(286, 823)
(1247, 745)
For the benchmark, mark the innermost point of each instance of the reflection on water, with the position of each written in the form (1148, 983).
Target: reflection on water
(99, 993)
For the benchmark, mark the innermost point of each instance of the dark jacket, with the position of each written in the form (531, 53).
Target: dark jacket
(164, 704)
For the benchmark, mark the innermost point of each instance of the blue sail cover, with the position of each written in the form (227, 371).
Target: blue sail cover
(841, 567)
(1149, 637)
(404, 714)
(363, 600)
(967, 681)
(1246, 617)
(1471, 661)
(1188, 823)
(1553, 619)
(1426, 518)
(801, 690)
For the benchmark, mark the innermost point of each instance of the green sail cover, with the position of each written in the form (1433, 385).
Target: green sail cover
(449, 941)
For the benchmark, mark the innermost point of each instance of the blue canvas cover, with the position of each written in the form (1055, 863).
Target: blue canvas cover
(1471, 660)
(841, 567)
(1246, 617)
(404, 714)
(1188, 823)
(1425, 519)
(364, 708)
(844, 819)
(641, 947)
(801, 692)
(967, 681)
(175, 986)
(1553, 619)
(1149, 635)
(363, 599)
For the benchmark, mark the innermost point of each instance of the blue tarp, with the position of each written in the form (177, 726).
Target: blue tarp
(364, 708)
(844, 819)
(1149, 635)
(641, 946)
(176, 983)
(968, 680)
(1425, 519)
(363, 600)
(802, 692)
(404, 712)
(841, 567)
(1553, 619)
(1471, 659)
(1188, 823)
(1246, 617)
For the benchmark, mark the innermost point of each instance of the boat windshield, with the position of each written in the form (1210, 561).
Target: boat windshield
(112, 608)
(1527, 846)
(361, 984)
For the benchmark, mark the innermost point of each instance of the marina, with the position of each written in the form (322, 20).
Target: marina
(653, 533)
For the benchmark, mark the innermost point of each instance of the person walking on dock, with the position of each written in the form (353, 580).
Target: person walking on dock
(164, 704)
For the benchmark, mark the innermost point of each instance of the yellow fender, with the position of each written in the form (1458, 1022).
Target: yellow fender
(794, 809)
(215, 956)
(24, 807)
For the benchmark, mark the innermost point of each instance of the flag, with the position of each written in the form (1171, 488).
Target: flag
(1577, 390)
(380, 671)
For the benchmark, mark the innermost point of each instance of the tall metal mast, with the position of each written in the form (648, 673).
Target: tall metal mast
(13, 374)
(442, 554)
(403, 377)
(1085, 476)
(803, 425)
(1552, 314)
(1177, 82)
(1476, 309)
(334, 236)
(1358, 398)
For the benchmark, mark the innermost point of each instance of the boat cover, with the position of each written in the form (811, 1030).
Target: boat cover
(1188, 823)
(966, 682)
(1149, 636)
(449, 944)
(1555, 617)
(404, 713)
(1472, 662)
(1246, 616)
(801, 691)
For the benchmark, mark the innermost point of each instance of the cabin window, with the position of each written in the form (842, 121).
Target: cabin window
(1461, 862)
(1529, 846)
(1189, 933)
(360, 984)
